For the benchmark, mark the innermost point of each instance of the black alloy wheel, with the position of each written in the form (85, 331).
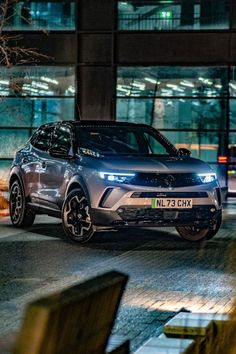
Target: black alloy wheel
(191, 233)
(20, 214)
(76, 217)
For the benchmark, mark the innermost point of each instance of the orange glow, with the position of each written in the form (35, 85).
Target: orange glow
(222, 159)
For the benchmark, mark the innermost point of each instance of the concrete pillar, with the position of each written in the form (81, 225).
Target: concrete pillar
(187, 13)
(95, 73)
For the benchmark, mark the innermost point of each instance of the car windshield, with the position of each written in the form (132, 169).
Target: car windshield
(122, 140)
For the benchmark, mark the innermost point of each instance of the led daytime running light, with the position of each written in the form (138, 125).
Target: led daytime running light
(207, 177)
(116, 176)
(103, 174)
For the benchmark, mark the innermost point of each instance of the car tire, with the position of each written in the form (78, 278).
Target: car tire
(21, 215)
(76, 220)
(197, 235)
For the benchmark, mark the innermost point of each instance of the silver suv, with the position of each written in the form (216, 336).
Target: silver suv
(107, 175)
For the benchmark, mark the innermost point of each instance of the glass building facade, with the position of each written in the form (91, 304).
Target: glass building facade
(190, 105)
(35, 93)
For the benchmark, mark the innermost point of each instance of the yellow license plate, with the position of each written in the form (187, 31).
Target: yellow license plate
(169, 203)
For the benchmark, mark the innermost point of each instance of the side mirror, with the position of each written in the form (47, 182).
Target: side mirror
(59, 151)
(184, 152)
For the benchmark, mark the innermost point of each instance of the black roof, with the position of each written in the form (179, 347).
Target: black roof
(103, 123)
(96, 123)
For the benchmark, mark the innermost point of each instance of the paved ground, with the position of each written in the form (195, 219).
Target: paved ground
(166, 273)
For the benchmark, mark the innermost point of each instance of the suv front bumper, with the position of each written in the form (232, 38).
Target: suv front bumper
(135, 209)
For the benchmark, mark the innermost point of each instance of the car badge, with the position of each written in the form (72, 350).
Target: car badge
(169, 180)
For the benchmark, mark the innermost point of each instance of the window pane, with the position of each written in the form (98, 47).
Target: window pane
(174, 113)
(32, 112)
(12, 140)
(37, 81)
(172, 81)
(173, 15)
(232, 115)
(232, 149)
(30, 15)
(204, 145)
(232, 84)
(232, 162)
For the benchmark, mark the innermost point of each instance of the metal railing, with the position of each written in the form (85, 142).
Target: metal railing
(140, 22)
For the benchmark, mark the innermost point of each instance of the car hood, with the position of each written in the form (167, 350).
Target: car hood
(152, 164)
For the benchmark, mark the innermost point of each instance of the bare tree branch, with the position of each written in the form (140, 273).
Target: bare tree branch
(11, 53)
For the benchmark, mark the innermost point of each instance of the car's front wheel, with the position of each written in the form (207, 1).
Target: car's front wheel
(21, 215)
(191, 233)
(76, 217)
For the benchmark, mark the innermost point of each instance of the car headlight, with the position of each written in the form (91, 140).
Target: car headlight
(207, 177)
(117, 177)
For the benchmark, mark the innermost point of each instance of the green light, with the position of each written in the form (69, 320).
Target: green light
(166, 14)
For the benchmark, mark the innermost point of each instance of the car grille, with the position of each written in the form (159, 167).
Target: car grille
(155, 215)
(169, 194)
(166, 180)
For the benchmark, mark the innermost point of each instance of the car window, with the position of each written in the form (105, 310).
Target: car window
(109, 140)
(62, 138)
(42, 139)
(154, 146)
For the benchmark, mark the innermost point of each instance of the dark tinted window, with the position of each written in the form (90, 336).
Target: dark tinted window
(62, 138)
(42, 138)
(115, 140)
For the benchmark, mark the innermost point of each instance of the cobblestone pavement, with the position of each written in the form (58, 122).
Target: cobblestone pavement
(166, 273)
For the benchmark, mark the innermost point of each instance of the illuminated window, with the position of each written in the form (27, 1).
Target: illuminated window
(37, 81)
(31, 96)
(173, 15)
(189, 104)
(36, 15)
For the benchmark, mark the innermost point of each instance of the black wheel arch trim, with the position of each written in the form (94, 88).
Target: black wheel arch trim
(16, 175)
(77, 182)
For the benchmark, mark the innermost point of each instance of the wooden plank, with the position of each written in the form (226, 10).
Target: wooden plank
(77, 320)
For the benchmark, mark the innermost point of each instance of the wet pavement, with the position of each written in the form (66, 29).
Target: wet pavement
(166, 273)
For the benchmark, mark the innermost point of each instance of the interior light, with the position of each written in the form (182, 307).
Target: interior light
(152, 80)
(40, 85)
(139, 85)
(232, 86)
(4, 82)
(71, 89)
(187, 83)
(48, 79)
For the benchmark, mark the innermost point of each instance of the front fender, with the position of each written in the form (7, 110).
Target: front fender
(15, 173)
(77, 181)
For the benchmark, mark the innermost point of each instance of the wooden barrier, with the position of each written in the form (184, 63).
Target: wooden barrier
(77, 320)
